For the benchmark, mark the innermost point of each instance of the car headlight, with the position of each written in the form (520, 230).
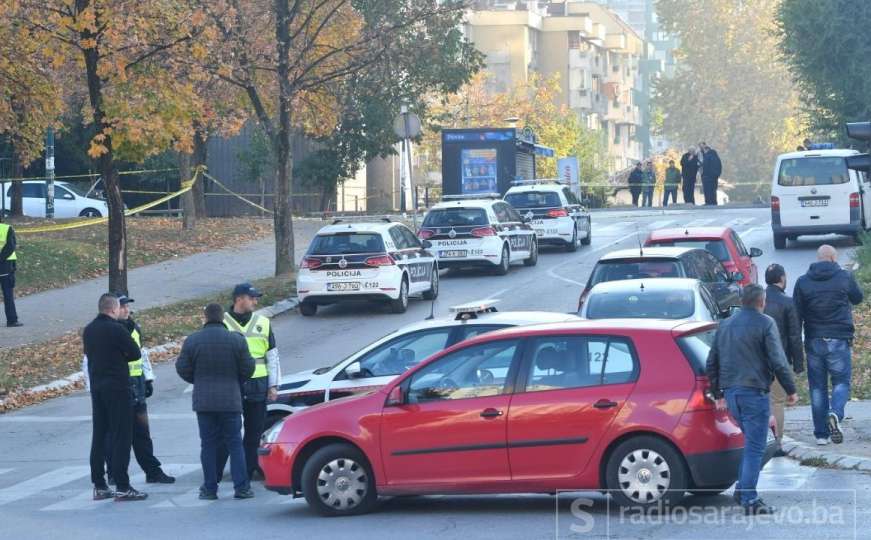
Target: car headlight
(271, 434)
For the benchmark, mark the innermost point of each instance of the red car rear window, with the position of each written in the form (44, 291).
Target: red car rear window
(716, 247)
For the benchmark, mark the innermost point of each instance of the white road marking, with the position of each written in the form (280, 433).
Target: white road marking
(189, 499)
(654, 225)
(552, 270)
(608, 229)
(4, 471)
(189, 389)
(739, 222)
(699, 222)
(43, 482)
(25, 419)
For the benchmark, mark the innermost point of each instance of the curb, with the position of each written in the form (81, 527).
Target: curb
(801, 451)
(282, 306)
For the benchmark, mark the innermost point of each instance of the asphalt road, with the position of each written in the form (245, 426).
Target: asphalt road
(44, 479)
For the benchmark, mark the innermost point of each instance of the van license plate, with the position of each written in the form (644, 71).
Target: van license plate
(814, 203)
(344, 286)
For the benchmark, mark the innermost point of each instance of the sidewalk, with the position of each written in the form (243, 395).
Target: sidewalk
(854, 452)
(52, 313)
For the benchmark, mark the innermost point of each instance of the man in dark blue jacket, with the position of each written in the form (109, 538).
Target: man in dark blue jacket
(712, 168)
(824, 299)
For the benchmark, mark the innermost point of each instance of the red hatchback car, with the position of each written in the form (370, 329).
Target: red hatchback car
(613, 405)
(723, 242)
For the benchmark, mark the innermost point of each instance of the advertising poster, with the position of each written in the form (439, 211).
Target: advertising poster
(478, 171)
(569, 170)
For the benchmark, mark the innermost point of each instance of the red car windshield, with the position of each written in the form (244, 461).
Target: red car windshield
(634, 269)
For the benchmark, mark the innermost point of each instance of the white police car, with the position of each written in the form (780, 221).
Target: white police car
(377, 364)
(554, 212)
(362, 259)
(477, 231)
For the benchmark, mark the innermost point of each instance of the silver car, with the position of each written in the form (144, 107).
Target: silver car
(659, 298)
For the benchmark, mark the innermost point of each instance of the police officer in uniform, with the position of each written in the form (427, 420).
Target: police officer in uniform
(141, 383)
(7, 273)
(263, 384)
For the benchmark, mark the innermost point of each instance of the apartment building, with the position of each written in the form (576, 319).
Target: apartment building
(596, 55)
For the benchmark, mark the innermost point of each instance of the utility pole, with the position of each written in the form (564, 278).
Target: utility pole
(49, 173)
(407, 146)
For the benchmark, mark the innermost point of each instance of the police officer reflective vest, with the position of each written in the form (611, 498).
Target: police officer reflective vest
(136, 366)
(4, 233)
(256, 333)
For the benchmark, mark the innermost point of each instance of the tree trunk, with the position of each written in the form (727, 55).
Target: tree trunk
(283, 221)
(106, 162)
(189, 210)
(16, 201)
(201, 153)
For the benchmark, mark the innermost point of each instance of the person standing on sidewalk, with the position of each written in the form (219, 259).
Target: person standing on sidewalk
(109, 348)
(672, 183)
(8, 259)
(781, 308)
(824, 299)
(636, 179)
(689, 170)
(648, 185)
(744, 359)
(263, 384)
(216, 361)
(712, 168)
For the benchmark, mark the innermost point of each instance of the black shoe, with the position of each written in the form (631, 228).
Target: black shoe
(160, 477)
(244, 494)
(208, 495)
(780, 453)
(103, 493)
(758, 508)
(835, 428)
(15, 324)
(130, 495)
(110, 480)
(256, 475)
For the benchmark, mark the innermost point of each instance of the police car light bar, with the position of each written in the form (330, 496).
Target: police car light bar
(471, 197)
(472, 309)
(363, 219)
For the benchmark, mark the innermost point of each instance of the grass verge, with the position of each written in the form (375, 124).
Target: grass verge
(861, 385)
(24, 367)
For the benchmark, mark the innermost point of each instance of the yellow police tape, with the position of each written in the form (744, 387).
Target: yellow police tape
(89, 175)
(185, 187)
(231, 192)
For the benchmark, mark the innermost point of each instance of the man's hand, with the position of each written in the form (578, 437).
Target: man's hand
(792, 399)
(720, 404)
(272, 395)
(149, 388)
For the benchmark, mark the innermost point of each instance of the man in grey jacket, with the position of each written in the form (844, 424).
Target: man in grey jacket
(216, 361)
(745, 358)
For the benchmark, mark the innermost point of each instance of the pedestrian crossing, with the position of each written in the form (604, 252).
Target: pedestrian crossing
(625, 227)
(68, 489)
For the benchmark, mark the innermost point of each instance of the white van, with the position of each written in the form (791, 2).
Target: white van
(813, 192)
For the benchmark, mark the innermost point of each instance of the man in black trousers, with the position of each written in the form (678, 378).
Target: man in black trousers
(109, 347)
(7, 273)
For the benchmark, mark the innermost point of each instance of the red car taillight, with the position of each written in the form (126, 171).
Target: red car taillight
(855, 201)
(699, 400)
(481, 232)
(310, 263)
(775, 204)
(381, 260)
(424, 234)
(557, 212)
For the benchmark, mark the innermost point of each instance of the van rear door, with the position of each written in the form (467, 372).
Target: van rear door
(815, 190)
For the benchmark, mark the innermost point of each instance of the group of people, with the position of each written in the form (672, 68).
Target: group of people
(757, 351)
(234, 367)
(704, 160)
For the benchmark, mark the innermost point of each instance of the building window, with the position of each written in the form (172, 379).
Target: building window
(575, 40)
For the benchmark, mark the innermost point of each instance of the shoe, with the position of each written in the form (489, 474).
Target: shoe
(207, 495)
(256, 475)
(779, 453)
(822, 441)
(244, 494)
(110, 480)
(15, 324)
(160, 477)
(130, 495)
(758, 508)
(835, 428)
(103, 493)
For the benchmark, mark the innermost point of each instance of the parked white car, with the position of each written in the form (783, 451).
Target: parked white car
(70, 201)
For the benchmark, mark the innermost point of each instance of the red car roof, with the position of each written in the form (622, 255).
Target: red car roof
(690, 233)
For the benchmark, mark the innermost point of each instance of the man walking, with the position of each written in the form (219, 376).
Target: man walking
(780, 307)
(216, 361)
(263, 384)
(712, 168)
(689, 170)
(7, 273)
(636, 179)
(824, 299)
(672, 183)
(648, 184)
(745, 357)
(109, 347)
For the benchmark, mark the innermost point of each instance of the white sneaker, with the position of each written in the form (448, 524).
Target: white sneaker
(822, 442)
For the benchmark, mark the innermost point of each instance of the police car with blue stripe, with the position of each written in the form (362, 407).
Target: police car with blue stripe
(364, 259)
(479, 231)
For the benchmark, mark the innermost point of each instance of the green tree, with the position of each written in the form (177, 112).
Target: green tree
(729, 90)
(826, 46)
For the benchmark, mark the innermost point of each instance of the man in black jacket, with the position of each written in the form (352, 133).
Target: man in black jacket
(217, 362)
(7, 273)
(745, 358)
(824, 299)
(109, 347)
(689, 170)
(712, 168)
(780, 307)
(636, 179)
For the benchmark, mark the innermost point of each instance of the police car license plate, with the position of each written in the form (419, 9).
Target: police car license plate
(549, 232)
(452, 253)
(812, 203)
(343, 286)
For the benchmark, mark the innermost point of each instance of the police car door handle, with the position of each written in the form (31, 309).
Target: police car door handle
(604, 404)
(491, 413)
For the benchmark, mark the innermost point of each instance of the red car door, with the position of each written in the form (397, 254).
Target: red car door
(571, 388)
(745, 261)
(451, 427)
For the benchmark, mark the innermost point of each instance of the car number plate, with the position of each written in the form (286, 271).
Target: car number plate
(812, 203)
(549, 232)
(452, 253)
(344, 286)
